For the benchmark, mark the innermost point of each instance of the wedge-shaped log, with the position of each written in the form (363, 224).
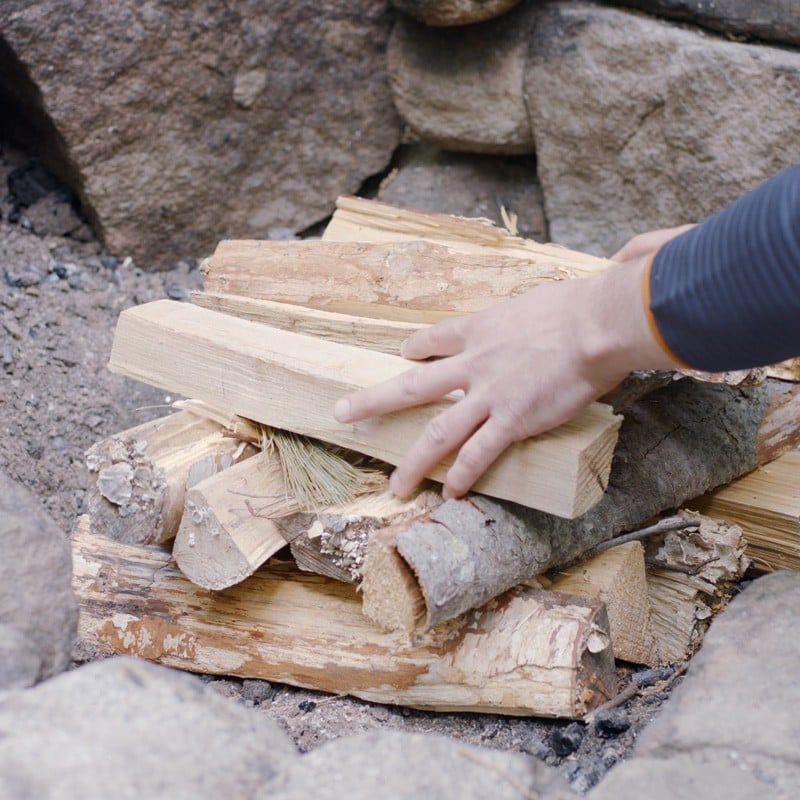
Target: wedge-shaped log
(228, 528)
(766, 504)
(417, 275)
(527, 653)
(292, 382)
(139, 476)
(674, 445)
(618, 578)
(360, 220)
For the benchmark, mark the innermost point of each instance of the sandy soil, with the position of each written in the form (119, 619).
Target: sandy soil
(60, 296)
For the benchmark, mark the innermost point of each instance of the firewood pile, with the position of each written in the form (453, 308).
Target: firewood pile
(249, 534)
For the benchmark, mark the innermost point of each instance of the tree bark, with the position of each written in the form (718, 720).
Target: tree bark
(675, 444)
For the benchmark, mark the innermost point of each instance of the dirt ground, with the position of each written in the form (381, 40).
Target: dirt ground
(60, 296)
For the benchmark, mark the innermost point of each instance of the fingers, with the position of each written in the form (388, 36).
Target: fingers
(417, 386)
(446, 338)
(443, 434)
(475, 457)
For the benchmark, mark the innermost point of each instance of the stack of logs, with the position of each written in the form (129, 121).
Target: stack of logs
(509, 600)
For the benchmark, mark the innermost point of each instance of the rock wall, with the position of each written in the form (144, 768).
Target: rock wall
(179, 124)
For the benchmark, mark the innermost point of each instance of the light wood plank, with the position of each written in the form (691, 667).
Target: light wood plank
(292, 382)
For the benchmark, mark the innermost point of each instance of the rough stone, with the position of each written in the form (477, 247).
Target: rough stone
(469, 186)
(410, 766)
(453, 12)
(128, 729)
(731, 729)
(640, 124)
(38, 612)
(771, 20)
(462, 87)
(182, 123)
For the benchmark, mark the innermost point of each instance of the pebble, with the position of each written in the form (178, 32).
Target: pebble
(565, 741)
(611, 722)
(23, 278)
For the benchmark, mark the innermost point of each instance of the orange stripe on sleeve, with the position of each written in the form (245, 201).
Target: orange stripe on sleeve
(651, 320)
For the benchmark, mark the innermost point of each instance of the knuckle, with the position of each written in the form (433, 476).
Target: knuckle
(410, 383)
(436, 431)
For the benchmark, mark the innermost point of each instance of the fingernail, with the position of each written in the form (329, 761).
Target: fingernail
(396, 483)
(341, 411)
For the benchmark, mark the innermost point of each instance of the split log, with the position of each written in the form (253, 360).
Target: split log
(766, 504)
(527, 653)
(333, 541)
(228, 528)
(618, 578)
(418, 275)
(139, 476)
(690, 575)
(360, 220)
(675, 444)
(290, 381)
(383, 335)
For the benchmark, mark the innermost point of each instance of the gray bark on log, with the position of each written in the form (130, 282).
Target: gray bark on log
(674, 445)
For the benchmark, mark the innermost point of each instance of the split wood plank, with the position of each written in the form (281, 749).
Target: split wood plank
(138, 477)
(358, 220)
(618, 578)
(228, 528)
(383, 335)
(292, 382)
(675, 444)
(527, 653)
(418, 275)
(766, 504)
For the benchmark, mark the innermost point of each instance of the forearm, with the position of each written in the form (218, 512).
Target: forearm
(726, 294)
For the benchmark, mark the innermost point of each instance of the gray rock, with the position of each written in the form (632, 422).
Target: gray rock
(461, 87)
(453, 12)
(641, 124)
(469, 186)
(53, 216)
(128, 729)
(771, 20)
(183, 123)
(404, 766)
(38, 612)
(731, 729)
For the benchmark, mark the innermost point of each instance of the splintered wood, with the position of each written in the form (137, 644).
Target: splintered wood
(766, 504)
(525, 653)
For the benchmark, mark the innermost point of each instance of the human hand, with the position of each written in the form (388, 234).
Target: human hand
(525, 365)
(646, 243)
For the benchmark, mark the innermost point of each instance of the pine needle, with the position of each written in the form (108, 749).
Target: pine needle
(315, 474)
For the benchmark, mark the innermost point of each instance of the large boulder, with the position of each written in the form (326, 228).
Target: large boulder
(462, 87)
(38, 612)
(468, 185)
(641, 124)
(731, 729)
(453, 12)
(182, 123)
(771, 20)
(408, 766)
(126, 728)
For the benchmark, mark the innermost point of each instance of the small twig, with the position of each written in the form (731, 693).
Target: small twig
(662, 526)
(684, 569)
(636, 687)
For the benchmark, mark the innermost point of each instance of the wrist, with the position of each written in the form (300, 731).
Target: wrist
(622, 335)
